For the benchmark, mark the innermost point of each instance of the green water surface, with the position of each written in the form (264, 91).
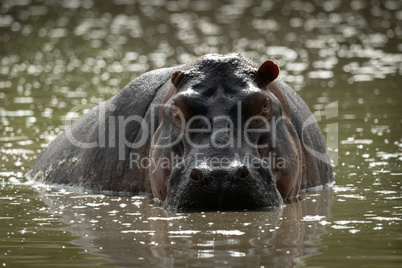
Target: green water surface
(57, 54)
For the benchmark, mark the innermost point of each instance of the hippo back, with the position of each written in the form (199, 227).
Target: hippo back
(90, 153)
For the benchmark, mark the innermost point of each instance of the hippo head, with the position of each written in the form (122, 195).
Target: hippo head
(227, 133)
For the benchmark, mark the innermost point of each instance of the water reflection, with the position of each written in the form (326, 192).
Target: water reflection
(56, 54)
(133, 231)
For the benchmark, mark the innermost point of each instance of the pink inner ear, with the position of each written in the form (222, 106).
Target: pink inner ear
(269, 71)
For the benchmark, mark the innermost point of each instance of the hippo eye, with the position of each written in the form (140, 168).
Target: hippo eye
(266, 107)
(176, 116)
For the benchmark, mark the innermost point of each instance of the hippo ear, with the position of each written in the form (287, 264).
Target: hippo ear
(177, 77)
(268, 71)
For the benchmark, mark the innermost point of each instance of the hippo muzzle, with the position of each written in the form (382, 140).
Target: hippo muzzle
(231, 187)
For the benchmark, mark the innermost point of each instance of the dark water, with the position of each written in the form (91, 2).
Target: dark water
(55, 55)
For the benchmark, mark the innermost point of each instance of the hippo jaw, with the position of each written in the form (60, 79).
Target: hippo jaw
(206, 188)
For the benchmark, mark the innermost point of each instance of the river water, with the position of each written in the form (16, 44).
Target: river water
(343, 57)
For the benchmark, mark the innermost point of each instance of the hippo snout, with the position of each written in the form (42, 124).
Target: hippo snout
(229, 176)
(238, 187)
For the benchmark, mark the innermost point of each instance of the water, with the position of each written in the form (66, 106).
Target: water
(55, 55)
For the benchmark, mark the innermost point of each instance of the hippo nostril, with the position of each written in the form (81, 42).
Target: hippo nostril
(244, 172)
(240, 174)
(194, 175)
(198, 175)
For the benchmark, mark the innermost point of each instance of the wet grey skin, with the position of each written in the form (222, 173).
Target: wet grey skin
(219, 107)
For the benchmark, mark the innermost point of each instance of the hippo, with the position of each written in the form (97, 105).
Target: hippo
(219, 133)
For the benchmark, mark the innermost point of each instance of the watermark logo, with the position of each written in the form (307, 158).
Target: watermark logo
(139, 161)
(332, 129)
(133, 131)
